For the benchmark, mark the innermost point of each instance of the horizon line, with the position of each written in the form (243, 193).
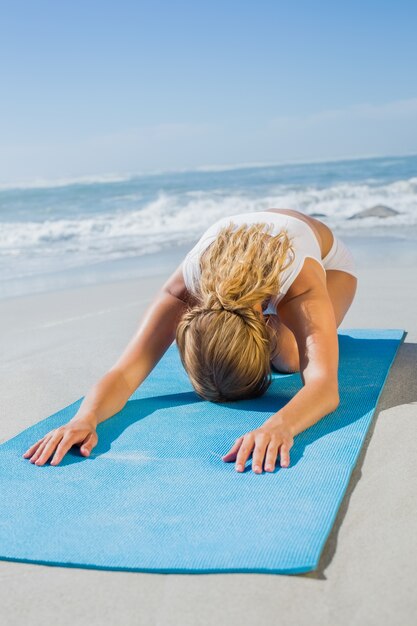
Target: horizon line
(108, 178)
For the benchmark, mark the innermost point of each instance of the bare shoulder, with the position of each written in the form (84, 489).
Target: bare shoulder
(175, 285)
(311, 278)
(307, 308)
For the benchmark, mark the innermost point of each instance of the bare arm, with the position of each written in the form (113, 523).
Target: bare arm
(311, 319)
(153, 337)
(109, 395)
(155, 334)
(310, 316)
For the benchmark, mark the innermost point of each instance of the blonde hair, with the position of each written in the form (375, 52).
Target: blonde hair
(225, 345)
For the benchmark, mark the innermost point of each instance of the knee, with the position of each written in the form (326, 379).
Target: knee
(288, 363)
(286, 359)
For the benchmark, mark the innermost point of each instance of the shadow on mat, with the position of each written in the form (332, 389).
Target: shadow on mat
(282, 389)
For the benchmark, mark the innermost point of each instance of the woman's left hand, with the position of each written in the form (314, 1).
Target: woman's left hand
(266, 443)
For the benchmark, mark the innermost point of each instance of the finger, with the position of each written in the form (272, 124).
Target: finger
(231, 455)
(89, 442)
(261, 442)
(39, 451)
(66, 443)
(48, 449)
(33, 448)
(284, 453)
(271, 456)
(244, 453)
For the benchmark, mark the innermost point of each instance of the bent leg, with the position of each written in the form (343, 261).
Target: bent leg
(341, 288)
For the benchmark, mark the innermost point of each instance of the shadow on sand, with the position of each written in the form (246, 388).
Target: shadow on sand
(400, 389)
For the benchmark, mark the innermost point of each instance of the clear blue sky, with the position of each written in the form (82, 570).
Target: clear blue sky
(91, 87)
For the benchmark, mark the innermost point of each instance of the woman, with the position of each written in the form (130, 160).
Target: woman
(258, 290)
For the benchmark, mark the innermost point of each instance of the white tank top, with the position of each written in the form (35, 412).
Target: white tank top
(304, 242)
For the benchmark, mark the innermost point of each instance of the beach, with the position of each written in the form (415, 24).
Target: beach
(131, 133)
(58, 342)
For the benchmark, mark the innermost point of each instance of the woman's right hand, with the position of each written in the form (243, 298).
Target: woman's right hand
(81, 431)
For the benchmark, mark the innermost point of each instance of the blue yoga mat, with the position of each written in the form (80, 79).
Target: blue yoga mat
(155, 496)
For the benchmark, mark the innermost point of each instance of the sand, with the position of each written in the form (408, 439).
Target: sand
(56, 345)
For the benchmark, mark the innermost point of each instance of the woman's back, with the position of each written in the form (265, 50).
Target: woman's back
(322, 231)
(308, 239)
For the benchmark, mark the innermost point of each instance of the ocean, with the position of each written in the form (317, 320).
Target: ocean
(64, 233)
